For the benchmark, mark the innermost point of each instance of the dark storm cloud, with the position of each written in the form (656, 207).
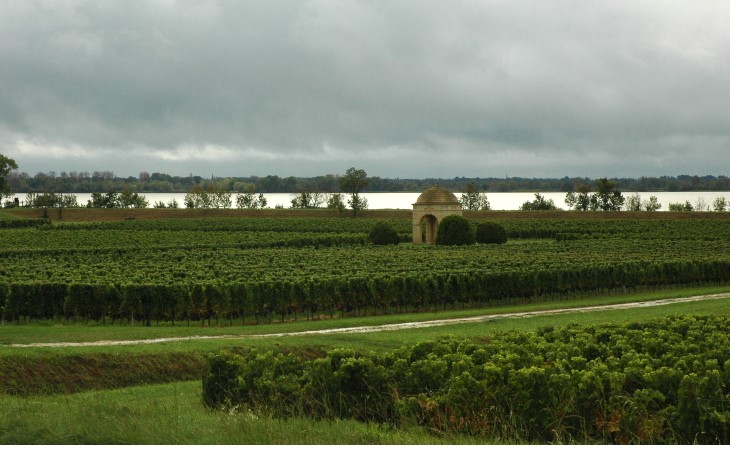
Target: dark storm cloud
(528, 88)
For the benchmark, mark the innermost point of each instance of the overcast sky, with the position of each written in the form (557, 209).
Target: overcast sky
(488, 88)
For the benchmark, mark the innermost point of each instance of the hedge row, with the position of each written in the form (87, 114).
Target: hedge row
(24, 223)
(264, 300)
(666, 381)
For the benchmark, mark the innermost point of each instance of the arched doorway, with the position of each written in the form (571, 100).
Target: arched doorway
(429, 226)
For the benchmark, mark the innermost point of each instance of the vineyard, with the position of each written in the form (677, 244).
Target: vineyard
(665, 381)
(240, 270)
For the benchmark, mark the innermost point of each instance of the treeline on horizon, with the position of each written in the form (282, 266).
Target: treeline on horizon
(104, 181)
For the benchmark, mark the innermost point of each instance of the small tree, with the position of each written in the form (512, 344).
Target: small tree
(580, 199)
(261, 201)
(128, 199)
(606, 198)
(634, 203)
(302, 201)
(6, 165)
(455, 230)
(383, 234)
(540, 203)
(335, 202)
(679, 207)
(472, 199)
(490, 232)
(248, 200)
(307, 200)
(652, 205)
(357, 203)
(354, 181)
(720, 204)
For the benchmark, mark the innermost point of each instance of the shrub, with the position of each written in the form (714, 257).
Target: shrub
(383, 234)
(455, 230)
(628, 384)
(490, 232)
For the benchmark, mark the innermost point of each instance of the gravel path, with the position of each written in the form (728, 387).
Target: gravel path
(386, 327)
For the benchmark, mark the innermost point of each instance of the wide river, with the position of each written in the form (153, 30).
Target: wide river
(498, 201)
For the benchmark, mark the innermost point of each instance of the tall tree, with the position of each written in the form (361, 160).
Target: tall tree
(6, 166)
(353, 182)
(608, 196)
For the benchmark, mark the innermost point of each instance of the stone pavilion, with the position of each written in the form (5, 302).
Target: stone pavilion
(430, 208)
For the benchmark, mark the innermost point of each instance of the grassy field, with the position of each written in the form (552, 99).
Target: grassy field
(173, 413)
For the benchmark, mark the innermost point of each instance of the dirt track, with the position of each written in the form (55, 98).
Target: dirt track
(386, 327)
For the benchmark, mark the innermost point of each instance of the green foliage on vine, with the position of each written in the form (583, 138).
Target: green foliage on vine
(664, 381)
(490, 232)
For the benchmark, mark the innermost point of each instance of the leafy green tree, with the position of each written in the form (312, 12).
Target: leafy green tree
(652, 205)
(307, 200)
(108, 200)
(540, 203)
(128, 199)
(383, 234)
(473, 199)
(222, 199)
(634, 203)
(302, 201)
(261, 201)
(249, 200)
(679, 207)
(357, 203)
(335, 202)
(194, 199)
(608, 196)
(491, 232)
(720, 204)
(455, 230)
(580, 199)
(6, 166)
(353, 182)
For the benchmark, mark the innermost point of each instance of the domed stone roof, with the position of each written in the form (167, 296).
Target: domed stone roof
(437, 195)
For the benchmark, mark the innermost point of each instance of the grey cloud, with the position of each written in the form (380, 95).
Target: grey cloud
(408, 88)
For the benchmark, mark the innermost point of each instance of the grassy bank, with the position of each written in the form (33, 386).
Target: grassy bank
(174, 414)
(30, 371)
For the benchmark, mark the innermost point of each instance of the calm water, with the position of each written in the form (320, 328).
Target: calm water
(498, 201)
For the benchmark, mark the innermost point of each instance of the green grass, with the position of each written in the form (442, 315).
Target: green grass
(174, 414)
(4, 215)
